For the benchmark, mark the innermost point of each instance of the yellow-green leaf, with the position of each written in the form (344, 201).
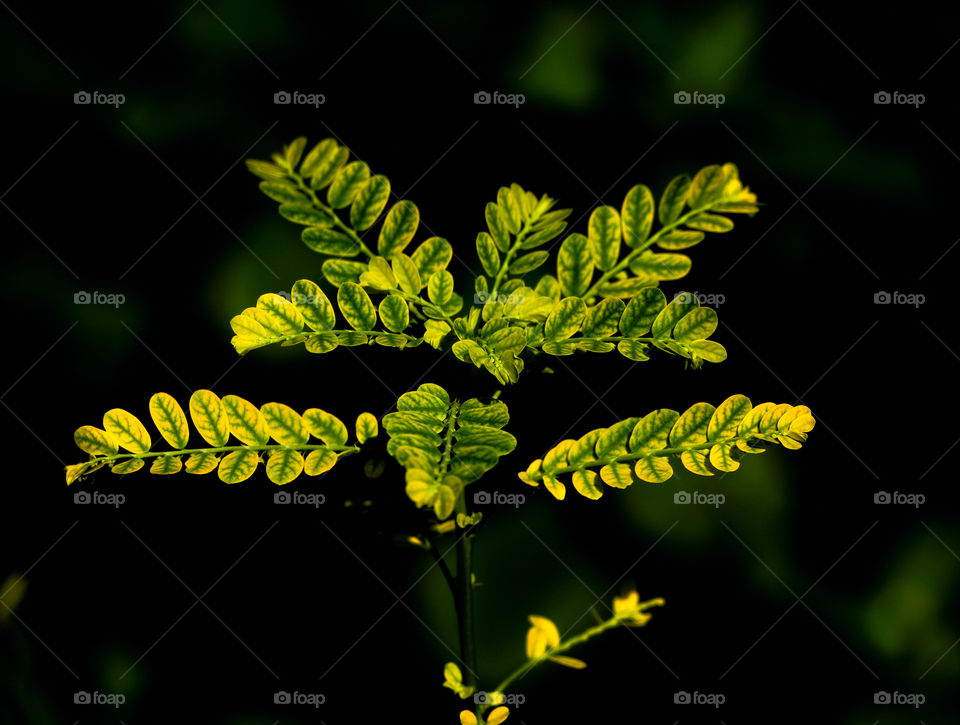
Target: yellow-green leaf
(319, 461)
(673, 199)
(637, 215)
(284, 424)
(325, 426)
(565, 319)
(127, 429)
(406, 273)
(166, 465)
(95, 441)
(129, 466)
(170, 420)
(200, 463)
(603, 234)
(347, 184)
(313, 305)
(284, 466)
(209, 418)
(356, 306)
(367, 427)
(370, 202)
(398, 228)
(575, 265)
(246, 421)
(542, 635)
(238, 466)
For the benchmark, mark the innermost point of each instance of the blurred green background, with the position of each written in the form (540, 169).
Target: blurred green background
(798, 597)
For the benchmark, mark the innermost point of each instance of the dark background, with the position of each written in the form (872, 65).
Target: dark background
(799, 597)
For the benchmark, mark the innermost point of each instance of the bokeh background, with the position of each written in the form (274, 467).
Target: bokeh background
(798, 598)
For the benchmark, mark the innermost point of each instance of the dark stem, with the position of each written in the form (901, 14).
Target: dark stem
(468, 652)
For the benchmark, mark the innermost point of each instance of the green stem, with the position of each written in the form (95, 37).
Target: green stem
(468, 649)
(637, 251)
(418, 300)
(341, 450)
(511, 253)
(334, 217)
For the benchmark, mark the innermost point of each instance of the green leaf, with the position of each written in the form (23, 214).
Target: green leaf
(653, 431)
(565, 318)
(238, 466)
(327, 172)
(431, 256)
(708, 350)
(285, 425)
(127, 429)
(379, 275)
(293, 151)
(528, 262)
(698, 324)
(170, 420)
(641, 311)
(710, 223)
(284, 192)
(602, 319)
(671, 314)
(673, 199)
(328, 241)
(498, 226)
(652, 267)
(367, 427)
(319, 461)
(691, 427)
(265, 170)
(284, 466)
(679, 239)
(637, 215)
(440, 287)
(356, 307)
(305, 213)
(166, 465)
(394, 313)
(313, 305)
(728, 416)
(406, 273)
(201, 463)
(338, 271)
(129, 466)
(322, 343)
(587, 485)
(633, 350)
(707, 186)
(370, 202)
(95, 441)
(654, 469)
(320, 159)
(398, 228)
(604, 237)
(510, 205)
(488, 254)
(575, 265)
(246, 421)
(347, 183)
(209, 418)
(325, 426)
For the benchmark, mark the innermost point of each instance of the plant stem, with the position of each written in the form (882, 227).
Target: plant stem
(339, 450)
(334, 217)
(468, 651)
(511, 253)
